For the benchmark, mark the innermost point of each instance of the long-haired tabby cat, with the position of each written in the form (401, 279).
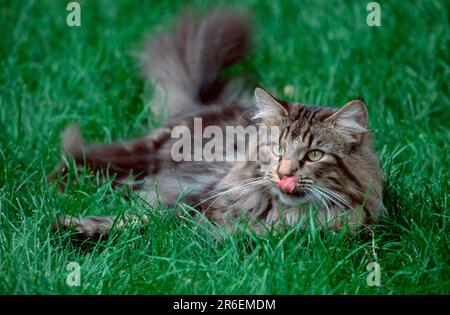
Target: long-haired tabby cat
(322, 163)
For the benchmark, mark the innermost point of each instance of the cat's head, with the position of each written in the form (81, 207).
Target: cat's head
(321, 154)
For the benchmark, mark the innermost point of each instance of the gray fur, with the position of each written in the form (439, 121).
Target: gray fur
(345, 187)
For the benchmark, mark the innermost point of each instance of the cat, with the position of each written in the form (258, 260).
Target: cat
(323, 158)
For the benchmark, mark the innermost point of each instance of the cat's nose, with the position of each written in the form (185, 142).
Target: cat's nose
(287, 168)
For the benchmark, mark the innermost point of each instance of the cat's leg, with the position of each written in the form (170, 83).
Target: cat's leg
(97, 227)
(134, 158)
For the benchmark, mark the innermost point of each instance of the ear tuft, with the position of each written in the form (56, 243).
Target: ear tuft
(270, 109)
(351, 118)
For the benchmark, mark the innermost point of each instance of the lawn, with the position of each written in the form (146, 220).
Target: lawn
(323, 51)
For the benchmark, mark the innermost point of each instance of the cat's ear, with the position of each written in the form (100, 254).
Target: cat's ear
(271, 111)
(351, 119)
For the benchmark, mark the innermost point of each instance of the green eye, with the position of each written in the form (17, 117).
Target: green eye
(278, 150)
(315, 155)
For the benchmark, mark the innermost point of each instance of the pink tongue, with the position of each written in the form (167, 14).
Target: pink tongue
(288, 184)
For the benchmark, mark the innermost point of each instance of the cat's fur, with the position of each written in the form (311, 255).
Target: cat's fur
(344, 187)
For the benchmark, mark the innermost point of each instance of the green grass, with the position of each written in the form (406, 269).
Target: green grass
(52, 75)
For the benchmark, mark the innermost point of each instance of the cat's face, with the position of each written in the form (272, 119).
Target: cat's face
(311, 161)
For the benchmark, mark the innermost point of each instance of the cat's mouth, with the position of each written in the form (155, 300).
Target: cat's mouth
(288, 185)
(292, 199)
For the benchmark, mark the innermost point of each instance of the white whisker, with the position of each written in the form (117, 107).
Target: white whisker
(323, 199)
(334, 197)
(248, 183)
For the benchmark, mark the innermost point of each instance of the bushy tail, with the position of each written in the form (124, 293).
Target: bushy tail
(185, 63)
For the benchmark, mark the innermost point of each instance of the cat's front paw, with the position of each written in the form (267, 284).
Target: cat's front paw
(84, 228)
(96, 227)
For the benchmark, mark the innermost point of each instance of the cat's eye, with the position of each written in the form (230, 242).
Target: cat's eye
(314, 155)
(278, 150)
